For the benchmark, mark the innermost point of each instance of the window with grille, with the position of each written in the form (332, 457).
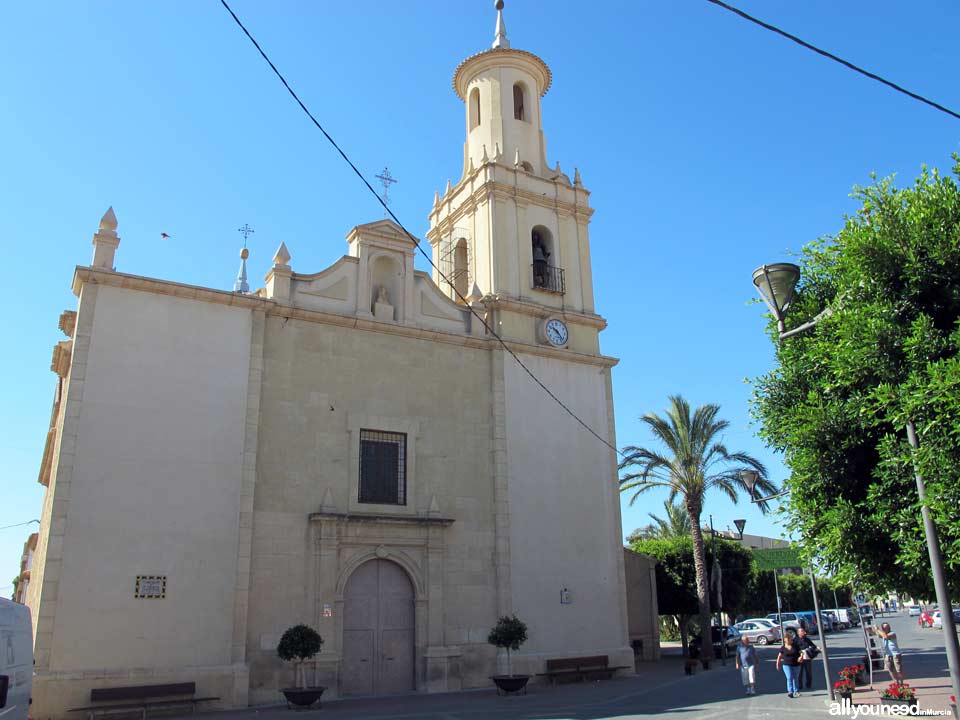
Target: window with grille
(383, 467)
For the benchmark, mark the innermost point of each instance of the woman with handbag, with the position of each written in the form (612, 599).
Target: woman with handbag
(790, 659)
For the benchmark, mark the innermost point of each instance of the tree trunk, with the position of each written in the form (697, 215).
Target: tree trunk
(703, 589)
(682, 621)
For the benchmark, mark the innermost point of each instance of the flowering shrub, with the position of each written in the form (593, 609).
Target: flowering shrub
(844, 686)
(899, 692)
(848, 672)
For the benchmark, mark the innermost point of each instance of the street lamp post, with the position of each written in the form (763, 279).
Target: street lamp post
(777, 284)
(750, 477)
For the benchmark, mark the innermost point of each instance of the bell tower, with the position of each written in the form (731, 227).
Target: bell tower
(513, 227)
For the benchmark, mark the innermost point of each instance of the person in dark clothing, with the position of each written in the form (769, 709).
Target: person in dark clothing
(809, 651)
(790, 659)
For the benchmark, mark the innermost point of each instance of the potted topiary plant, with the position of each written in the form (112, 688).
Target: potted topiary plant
(299, 644)
(509, 633)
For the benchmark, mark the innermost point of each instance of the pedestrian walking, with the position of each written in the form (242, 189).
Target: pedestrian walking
(810, 651)
(747, 662)
(790, 659)
(892, 657)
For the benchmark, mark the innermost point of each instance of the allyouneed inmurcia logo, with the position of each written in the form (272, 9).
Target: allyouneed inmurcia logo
(845, 708)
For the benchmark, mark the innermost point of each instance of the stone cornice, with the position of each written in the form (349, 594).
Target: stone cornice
(503, 191)
(380, 518)
(100, 276)
(527, 307)
(501, 57)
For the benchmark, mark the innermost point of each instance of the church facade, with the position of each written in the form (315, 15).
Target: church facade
(353, 449)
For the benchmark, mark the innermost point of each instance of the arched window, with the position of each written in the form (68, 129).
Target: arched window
(461, 269)
(541, 244)
(474, 108)
(519, 112)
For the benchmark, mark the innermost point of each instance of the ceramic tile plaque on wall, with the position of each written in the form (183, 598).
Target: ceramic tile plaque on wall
(151, 586)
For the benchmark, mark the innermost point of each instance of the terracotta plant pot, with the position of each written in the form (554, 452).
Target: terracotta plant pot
(302, 697)
(510, 683)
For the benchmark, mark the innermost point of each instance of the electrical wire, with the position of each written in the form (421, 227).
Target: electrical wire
(415, 240)
(833, 57)
(7, 527)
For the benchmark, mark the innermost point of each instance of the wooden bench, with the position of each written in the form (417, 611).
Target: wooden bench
(593, 667)
(147, 697)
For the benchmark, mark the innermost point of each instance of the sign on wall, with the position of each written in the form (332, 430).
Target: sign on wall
(151, 586)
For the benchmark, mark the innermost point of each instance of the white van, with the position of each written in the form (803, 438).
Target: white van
(16, 660)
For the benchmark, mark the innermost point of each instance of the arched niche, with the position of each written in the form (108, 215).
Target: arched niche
(386, 272)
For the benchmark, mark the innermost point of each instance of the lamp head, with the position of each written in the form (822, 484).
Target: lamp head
(740, 524)
(750, 477)
(777, 284)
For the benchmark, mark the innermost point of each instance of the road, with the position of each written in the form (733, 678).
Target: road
(662, 689)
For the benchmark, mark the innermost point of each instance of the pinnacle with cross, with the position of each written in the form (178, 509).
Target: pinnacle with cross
(386, 179)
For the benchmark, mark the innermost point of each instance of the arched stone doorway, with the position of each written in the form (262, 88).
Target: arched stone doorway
(378, 631)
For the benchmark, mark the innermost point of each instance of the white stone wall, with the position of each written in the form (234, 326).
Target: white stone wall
(564, 508)
(320, 383)
(155, 485)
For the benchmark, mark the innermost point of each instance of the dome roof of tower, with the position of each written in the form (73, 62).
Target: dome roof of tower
(501, 57)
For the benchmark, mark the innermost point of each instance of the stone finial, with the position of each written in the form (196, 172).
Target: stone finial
(433, 510)
(240, 285)
(475, 294)
(484, 158)
(557, 169)
(500, 34)
(108, 222)
(282, 256)
(447, 189)
(436, 198)
(576, 178)
(327, 504)
(516, 158)
(105, 241)
(496, 151)
(470, 167)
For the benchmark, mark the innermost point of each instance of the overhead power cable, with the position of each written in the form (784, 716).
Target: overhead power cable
(413, 239)
(7, 527)
(831, 56)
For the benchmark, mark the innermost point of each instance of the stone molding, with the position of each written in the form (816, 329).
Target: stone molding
(89, 276)
(500, 58)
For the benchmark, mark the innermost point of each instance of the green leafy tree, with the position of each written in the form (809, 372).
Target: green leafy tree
(694, 462)
(509, 633)
(675, 524)
(676, 577)
(298, 644)
(886, 353)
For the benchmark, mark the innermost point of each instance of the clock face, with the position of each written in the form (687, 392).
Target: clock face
(556, 332)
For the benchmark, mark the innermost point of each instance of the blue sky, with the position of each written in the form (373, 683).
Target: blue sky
(710, 146)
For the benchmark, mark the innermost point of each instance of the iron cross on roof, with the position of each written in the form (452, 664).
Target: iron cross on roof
(387, 180)
(246, 231)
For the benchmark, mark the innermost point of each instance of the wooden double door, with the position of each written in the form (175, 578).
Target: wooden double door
(378, 631)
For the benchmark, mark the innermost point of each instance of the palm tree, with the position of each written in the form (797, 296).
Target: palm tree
(696, 461)
(676, 524)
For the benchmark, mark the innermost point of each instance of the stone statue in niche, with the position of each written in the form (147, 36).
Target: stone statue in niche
(382, 309)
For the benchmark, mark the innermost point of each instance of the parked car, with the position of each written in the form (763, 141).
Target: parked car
(926, 618)
(808, 619)
(790, 621)
(913, 610)
(725, 641)
(760, 631)
(937, 620)
(846, 617)
(829, 621)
